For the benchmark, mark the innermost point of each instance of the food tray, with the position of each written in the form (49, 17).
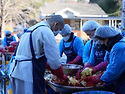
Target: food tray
(71, 89)
(74, 87)
(68, 89)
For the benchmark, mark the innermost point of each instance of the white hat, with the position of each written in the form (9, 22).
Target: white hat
(66, 30)
(90, 25)
(7, 32)
(106, 32)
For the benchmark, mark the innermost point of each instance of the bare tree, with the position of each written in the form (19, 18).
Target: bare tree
(16, 11)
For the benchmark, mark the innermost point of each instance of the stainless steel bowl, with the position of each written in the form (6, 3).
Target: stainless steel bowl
(71, 69)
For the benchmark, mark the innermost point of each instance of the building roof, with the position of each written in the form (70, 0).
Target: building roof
(101, 18)
(77, 9)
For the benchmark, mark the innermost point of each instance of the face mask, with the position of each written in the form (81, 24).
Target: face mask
(66, 38)
(8, 36)
(56, 32)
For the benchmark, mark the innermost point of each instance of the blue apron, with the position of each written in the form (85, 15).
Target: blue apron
(70, 53)
(9, 40)
(99, 54)
(39, 66)
(118, 86)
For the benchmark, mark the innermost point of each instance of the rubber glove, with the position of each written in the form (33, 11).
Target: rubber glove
(78, 74)
(100, 67)
(58, 72)
(92, 70)
(11, 48)
(89, 65)
(93, 80)
(6, 47)
(14, 43)
(76, 60)
(2, 50)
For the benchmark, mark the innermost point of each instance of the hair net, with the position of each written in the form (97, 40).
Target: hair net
(90, 25)
(119, 30)
(7, 32)
(19, 35)
(25, 29)
(106, 32)
(66, 30)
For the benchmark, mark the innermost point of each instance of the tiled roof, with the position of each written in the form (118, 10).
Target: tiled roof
(81, 8)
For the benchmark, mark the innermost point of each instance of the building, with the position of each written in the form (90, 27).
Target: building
(76, 13)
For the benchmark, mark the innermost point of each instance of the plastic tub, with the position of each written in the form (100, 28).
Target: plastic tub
(94, 92)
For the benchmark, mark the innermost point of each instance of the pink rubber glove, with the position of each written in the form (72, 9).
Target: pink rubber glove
(78, 74)
(93, 80)
(14, 43)
(100, 67)
(6, 47)
(2, 50)
(76, 60)
(87, 65)
(11, 48)
(58, 72)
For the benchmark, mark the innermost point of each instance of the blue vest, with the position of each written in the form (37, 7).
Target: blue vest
(9, 40)
(70, 53)
(99, 53)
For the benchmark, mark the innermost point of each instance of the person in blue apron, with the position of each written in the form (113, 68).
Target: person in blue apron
(114, 75)
(93, 52)
(37, 46)
(97, 54)
(8, 39)
(89, 28)
(71, 45)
